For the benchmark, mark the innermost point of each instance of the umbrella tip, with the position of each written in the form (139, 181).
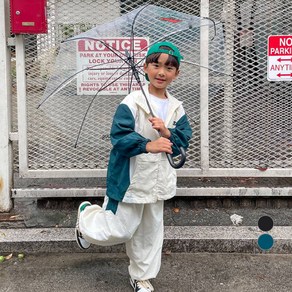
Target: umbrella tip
(76, 142)
(191, 23)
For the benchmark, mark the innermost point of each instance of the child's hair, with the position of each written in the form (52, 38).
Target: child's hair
(171, 61)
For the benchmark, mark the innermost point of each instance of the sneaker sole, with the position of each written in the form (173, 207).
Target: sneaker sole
(78, 237)
(133, 285)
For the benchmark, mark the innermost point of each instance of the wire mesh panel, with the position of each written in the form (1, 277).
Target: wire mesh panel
(53, 128)
(249, 117)
(250, 124)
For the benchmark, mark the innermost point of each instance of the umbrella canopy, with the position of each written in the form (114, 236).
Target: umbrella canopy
(95, 68)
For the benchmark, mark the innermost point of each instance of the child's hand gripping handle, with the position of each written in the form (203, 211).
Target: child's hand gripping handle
(158, 125)
(180, 163)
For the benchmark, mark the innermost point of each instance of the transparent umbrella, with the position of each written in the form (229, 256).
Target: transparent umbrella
(107, 60)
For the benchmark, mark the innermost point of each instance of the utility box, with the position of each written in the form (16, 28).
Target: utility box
(28, 16)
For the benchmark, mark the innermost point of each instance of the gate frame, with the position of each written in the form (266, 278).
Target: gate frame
(203, 171)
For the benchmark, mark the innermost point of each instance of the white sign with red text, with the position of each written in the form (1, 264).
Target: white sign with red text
(279, 58)
(104, 66)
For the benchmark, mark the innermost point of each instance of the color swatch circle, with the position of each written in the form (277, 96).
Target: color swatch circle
(265, 241)
(265, 223)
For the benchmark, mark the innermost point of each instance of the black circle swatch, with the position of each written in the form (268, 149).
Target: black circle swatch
(265, 223)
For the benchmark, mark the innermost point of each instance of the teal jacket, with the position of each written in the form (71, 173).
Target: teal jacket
(135, 176)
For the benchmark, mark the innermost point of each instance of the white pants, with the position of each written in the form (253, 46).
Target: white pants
(140, 226)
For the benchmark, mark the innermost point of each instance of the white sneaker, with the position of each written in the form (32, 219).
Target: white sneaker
(141, 286)
(82, 243)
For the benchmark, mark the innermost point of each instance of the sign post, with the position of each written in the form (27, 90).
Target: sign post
(279, 58)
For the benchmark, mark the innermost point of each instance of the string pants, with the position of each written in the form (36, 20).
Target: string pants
(139, 226)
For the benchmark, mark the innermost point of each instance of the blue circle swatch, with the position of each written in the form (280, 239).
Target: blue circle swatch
(265, 241)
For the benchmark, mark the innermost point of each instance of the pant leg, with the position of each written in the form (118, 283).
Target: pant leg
(103, 227)
(145, 247)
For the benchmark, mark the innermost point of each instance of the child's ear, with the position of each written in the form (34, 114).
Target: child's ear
(145, 67)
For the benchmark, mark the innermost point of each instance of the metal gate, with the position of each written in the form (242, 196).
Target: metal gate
(241, 122)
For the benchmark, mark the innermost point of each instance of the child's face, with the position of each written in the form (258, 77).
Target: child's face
(161, 75)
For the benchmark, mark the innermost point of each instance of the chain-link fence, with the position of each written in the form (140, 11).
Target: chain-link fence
(249, 117)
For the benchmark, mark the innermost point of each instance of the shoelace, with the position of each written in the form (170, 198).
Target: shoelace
(144, 284)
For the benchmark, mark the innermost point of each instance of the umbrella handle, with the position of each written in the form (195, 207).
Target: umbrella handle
(182, 159)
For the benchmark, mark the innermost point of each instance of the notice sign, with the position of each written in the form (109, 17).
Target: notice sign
(104, 66)
(280, 58)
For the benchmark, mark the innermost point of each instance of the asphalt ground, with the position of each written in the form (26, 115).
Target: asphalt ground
(102, 272)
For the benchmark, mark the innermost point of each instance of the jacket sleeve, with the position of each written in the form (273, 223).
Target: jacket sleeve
(180, 135)
(123, 136)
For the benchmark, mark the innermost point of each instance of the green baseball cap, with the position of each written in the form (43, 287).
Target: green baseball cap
(156, 48)
(174, 51)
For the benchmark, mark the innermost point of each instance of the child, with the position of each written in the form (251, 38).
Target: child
(139, 176)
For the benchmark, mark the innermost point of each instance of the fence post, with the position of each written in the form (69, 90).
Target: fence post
(230, 24)
(204, 85)
(5, 110)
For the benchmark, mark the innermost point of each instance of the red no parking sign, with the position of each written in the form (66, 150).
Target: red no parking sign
(280, 58)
